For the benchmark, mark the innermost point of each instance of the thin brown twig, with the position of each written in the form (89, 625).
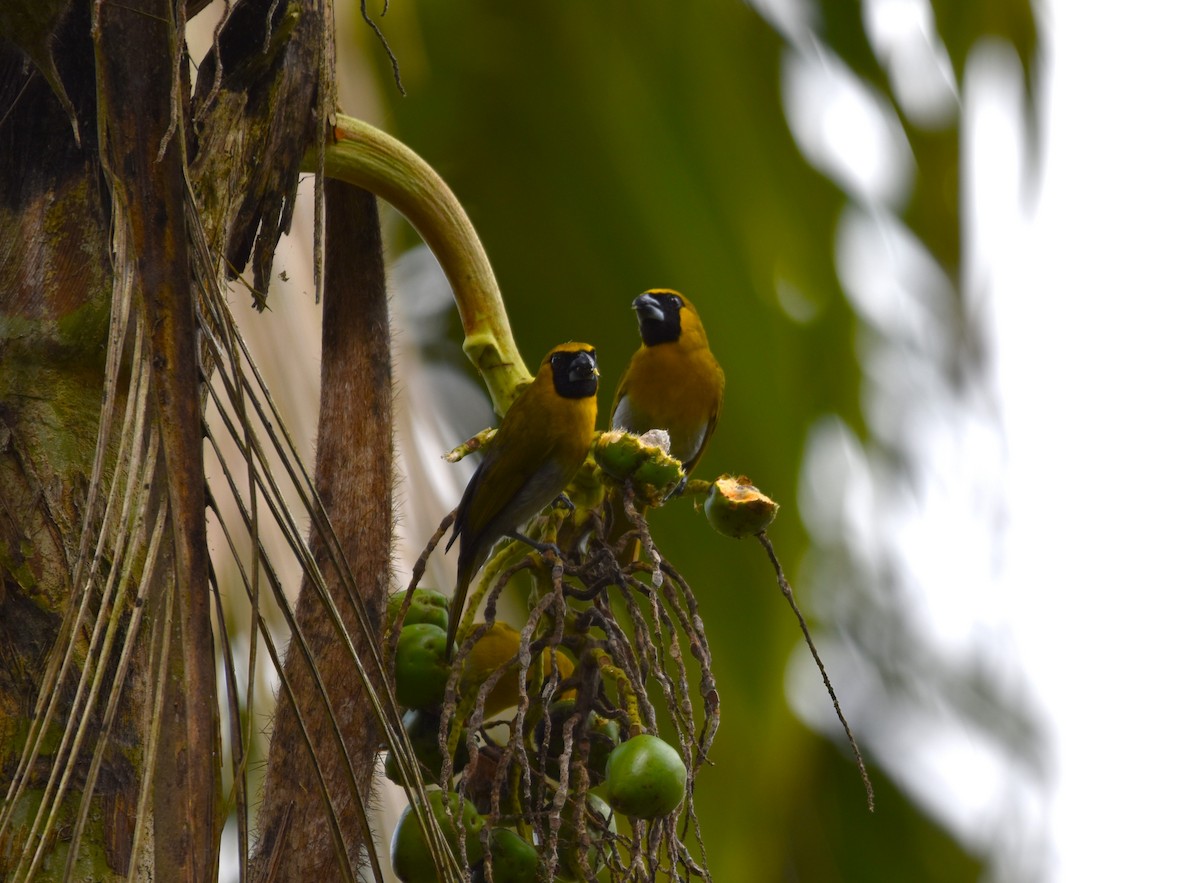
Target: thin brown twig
(786, 588)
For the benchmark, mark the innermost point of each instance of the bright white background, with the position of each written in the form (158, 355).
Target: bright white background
(1096, 311)
(1088, 285)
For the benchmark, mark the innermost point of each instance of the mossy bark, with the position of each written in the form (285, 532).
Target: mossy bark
(144, 154)
(55, 292)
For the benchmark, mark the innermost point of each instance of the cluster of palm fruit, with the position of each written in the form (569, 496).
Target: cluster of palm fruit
(644, 776)
(537, 745)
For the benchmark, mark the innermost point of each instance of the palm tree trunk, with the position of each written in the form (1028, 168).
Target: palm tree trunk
(114, 183)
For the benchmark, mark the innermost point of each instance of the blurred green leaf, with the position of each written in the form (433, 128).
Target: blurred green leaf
(603, 149)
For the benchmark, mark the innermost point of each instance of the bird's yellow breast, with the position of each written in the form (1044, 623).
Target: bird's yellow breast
(676, 387)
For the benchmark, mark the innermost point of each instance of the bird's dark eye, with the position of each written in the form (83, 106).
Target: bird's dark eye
(677, 301)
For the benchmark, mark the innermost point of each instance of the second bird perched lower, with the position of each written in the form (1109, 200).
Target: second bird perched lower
(540, 445)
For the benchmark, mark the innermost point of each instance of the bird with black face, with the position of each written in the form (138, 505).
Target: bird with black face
(673, 381)
(540, 445)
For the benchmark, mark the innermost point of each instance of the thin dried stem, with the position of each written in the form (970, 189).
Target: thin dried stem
(786, 588)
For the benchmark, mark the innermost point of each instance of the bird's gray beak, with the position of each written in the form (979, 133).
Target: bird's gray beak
(647, 308)
(583, 367)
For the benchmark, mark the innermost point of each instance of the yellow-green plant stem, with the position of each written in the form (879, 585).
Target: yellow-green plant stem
(476, 443)
(507, 554)
(626, 695)
(360, 154)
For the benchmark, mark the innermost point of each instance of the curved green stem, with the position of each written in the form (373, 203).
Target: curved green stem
(362, 155)
(626, 694)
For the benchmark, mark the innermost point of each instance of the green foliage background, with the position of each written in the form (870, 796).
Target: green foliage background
(605, 148)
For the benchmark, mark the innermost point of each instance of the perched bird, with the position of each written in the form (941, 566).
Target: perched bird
(673, 381)
(540, 445)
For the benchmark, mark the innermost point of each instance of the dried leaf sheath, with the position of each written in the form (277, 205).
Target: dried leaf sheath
(354, 483)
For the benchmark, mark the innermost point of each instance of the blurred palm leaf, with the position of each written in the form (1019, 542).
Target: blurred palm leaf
(602, 149)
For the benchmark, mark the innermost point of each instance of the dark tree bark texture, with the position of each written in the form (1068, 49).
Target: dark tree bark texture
(104, 163)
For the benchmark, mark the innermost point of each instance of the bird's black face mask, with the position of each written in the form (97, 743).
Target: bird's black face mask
(575, 374)
(658, 317)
